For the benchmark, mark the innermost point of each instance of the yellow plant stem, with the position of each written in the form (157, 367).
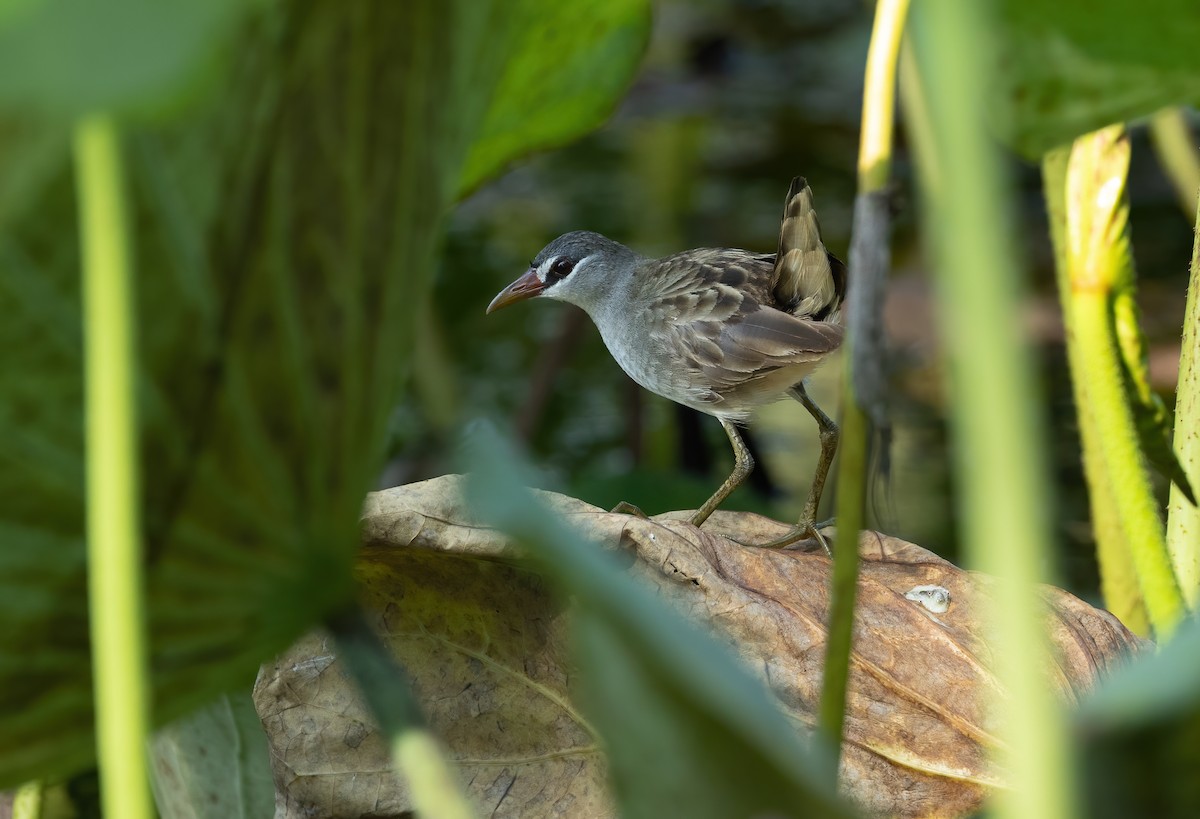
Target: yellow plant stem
(999, 446)
(1183, 521)
(879, 96)
(115, 582)
(870, 243)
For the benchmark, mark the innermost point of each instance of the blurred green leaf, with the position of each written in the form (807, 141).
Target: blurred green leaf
(285, 235)
(214, 763)
(1140, 735)
(1071, 67)
(71, 58)
(31, 148)
(10, 8)
(544, 97)
(687, 731)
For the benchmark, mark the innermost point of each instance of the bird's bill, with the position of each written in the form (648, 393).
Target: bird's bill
(523, 288)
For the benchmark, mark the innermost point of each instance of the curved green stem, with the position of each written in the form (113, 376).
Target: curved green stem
(1099, 275)
(1136, 508)
(115, 583)
(1118, 577)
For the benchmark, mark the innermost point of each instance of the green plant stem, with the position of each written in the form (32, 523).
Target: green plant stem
(1099, 279)
(1183, 520)
(1136, 508)
(115, 581)
(1118, 576)
(385, 688)
(850, 513)
(869, 260)
(999, 445)
(1176, 148)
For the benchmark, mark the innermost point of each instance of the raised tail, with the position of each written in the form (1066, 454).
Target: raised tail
(808, 281)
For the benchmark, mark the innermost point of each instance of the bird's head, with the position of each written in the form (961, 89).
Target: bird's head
(580, 268)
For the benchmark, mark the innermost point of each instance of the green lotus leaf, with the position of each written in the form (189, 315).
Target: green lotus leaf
(284, 234)
(1068, 68)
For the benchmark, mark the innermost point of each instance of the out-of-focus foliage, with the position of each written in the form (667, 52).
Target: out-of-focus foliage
(545, 95)
(284, 234)
(1140, 735)
(1071, 67)
(68, 59)
(214, 763)
(1000, 459)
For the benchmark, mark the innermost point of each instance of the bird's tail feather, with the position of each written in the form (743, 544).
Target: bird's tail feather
(808, 280)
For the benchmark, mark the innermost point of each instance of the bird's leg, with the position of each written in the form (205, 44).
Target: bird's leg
(829, 442)
(743, 463)
(829, 445)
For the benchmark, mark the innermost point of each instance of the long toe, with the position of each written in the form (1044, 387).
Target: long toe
(802, 532)
(626, 508)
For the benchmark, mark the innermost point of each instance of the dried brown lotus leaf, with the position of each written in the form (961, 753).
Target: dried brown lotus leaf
(484, 641)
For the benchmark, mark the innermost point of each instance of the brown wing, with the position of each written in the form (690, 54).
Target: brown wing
(755, 346)
(710, 312)
(709, 282)
(807, 280)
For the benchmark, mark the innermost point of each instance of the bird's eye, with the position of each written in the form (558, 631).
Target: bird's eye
(561, 268)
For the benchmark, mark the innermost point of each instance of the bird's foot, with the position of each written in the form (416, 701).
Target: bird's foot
(803, 531)
(626, 508)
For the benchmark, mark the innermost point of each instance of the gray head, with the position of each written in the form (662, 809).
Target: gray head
(581, 267)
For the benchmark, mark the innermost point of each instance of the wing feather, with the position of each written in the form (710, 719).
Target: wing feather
(713, 308)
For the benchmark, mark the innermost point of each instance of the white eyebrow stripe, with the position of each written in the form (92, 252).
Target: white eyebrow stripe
(544, 269)
(581, 263)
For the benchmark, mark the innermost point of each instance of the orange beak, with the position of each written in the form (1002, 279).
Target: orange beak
(523, 288)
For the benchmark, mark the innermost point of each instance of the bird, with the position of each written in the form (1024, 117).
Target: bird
(721, 330)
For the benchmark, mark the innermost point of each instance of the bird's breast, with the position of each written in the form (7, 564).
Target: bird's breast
(647, 356)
